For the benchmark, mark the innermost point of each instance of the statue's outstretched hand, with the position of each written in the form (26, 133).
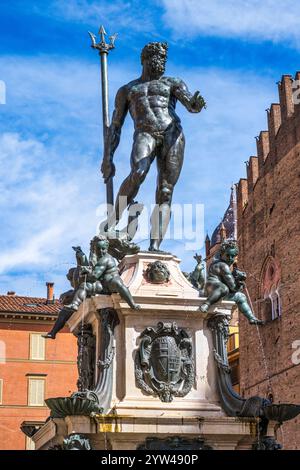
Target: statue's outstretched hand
(108, 170)
(77, 249)
(85, 269)
(198, 102)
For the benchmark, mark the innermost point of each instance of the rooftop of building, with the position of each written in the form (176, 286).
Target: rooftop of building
(12, 303)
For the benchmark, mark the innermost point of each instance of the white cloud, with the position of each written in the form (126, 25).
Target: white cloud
(129, 15)
(43, 212)
(33, 251)
(13, 157)
(50, 183)
(255, 19)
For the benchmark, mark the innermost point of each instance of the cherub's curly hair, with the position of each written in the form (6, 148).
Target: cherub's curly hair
(229, 244)
(93, 244)
(151, 49)
(99, 238)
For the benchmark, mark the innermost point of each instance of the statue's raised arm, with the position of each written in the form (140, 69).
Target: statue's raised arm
(193, 103)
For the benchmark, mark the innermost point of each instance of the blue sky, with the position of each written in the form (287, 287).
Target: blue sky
(234, 52)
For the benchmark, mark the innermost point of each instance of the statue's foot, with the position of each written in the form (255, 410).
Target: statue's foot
(204, 307)
(49, 335)
(256, 321)
(154, 245)
(136, 307)
(155, 250)
(73, 307)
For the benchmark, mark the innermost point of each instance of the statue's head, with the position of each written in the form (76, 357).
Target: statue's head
(157, 272)
(228, 252)
(99, 245)
(70, 273)
(154, 58)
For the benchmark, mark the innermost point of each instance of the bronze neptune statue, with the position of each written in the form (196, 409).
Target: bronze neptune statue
(151, 100)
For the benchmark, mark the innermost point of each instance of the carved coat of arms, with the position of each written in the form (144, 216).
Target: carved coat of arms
(164, 364)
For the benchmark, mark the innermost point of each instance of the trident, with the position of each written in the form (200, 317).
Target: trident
(104, 49)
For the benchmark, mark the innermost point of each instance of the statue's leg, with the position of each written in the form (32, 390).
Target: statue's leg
(142, 156)
(79, 296)
(216, 293)
(62, 319)
(117, 285)
(242, 302)
(67, 297)
(134, 211)
(169, 164)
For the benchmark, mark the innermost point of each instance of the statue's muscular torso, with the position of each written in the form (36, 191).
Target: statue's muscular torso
(106, 267)
(152, 103)
(220, 271)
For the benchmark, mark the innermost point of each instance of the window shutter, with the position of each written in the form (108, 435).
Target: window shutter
(40, 392)
(36, 393)
(37, 347)
(30, 445)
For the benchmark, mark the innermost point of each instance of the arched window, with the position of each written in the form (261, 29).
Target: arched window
(276, 304)
(270, 289)
(266, 309)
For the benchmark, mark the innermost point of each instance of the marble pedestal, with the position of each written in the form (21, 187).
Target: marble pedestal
(131, 416)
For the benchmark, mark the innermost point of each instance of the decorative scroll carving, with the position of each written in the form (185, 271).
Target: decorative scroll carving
(235, 405)
(103, 389)
(86, 359)
(92, 396)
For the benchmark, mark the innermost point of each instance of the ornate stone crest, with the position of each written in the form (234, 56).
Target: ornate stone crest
(157, 272)
(164, 363)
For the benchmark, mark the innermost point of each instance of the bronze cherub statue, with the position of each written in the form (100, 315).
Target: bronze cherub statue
(98, 275)
(222, 283)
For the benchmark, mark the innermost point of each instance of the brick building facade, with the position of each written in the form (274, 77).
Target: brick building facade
(31, 368)
(268, 207)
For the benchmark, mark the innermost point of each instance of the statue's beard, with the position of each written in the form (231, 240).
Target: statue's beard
(157, 67)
